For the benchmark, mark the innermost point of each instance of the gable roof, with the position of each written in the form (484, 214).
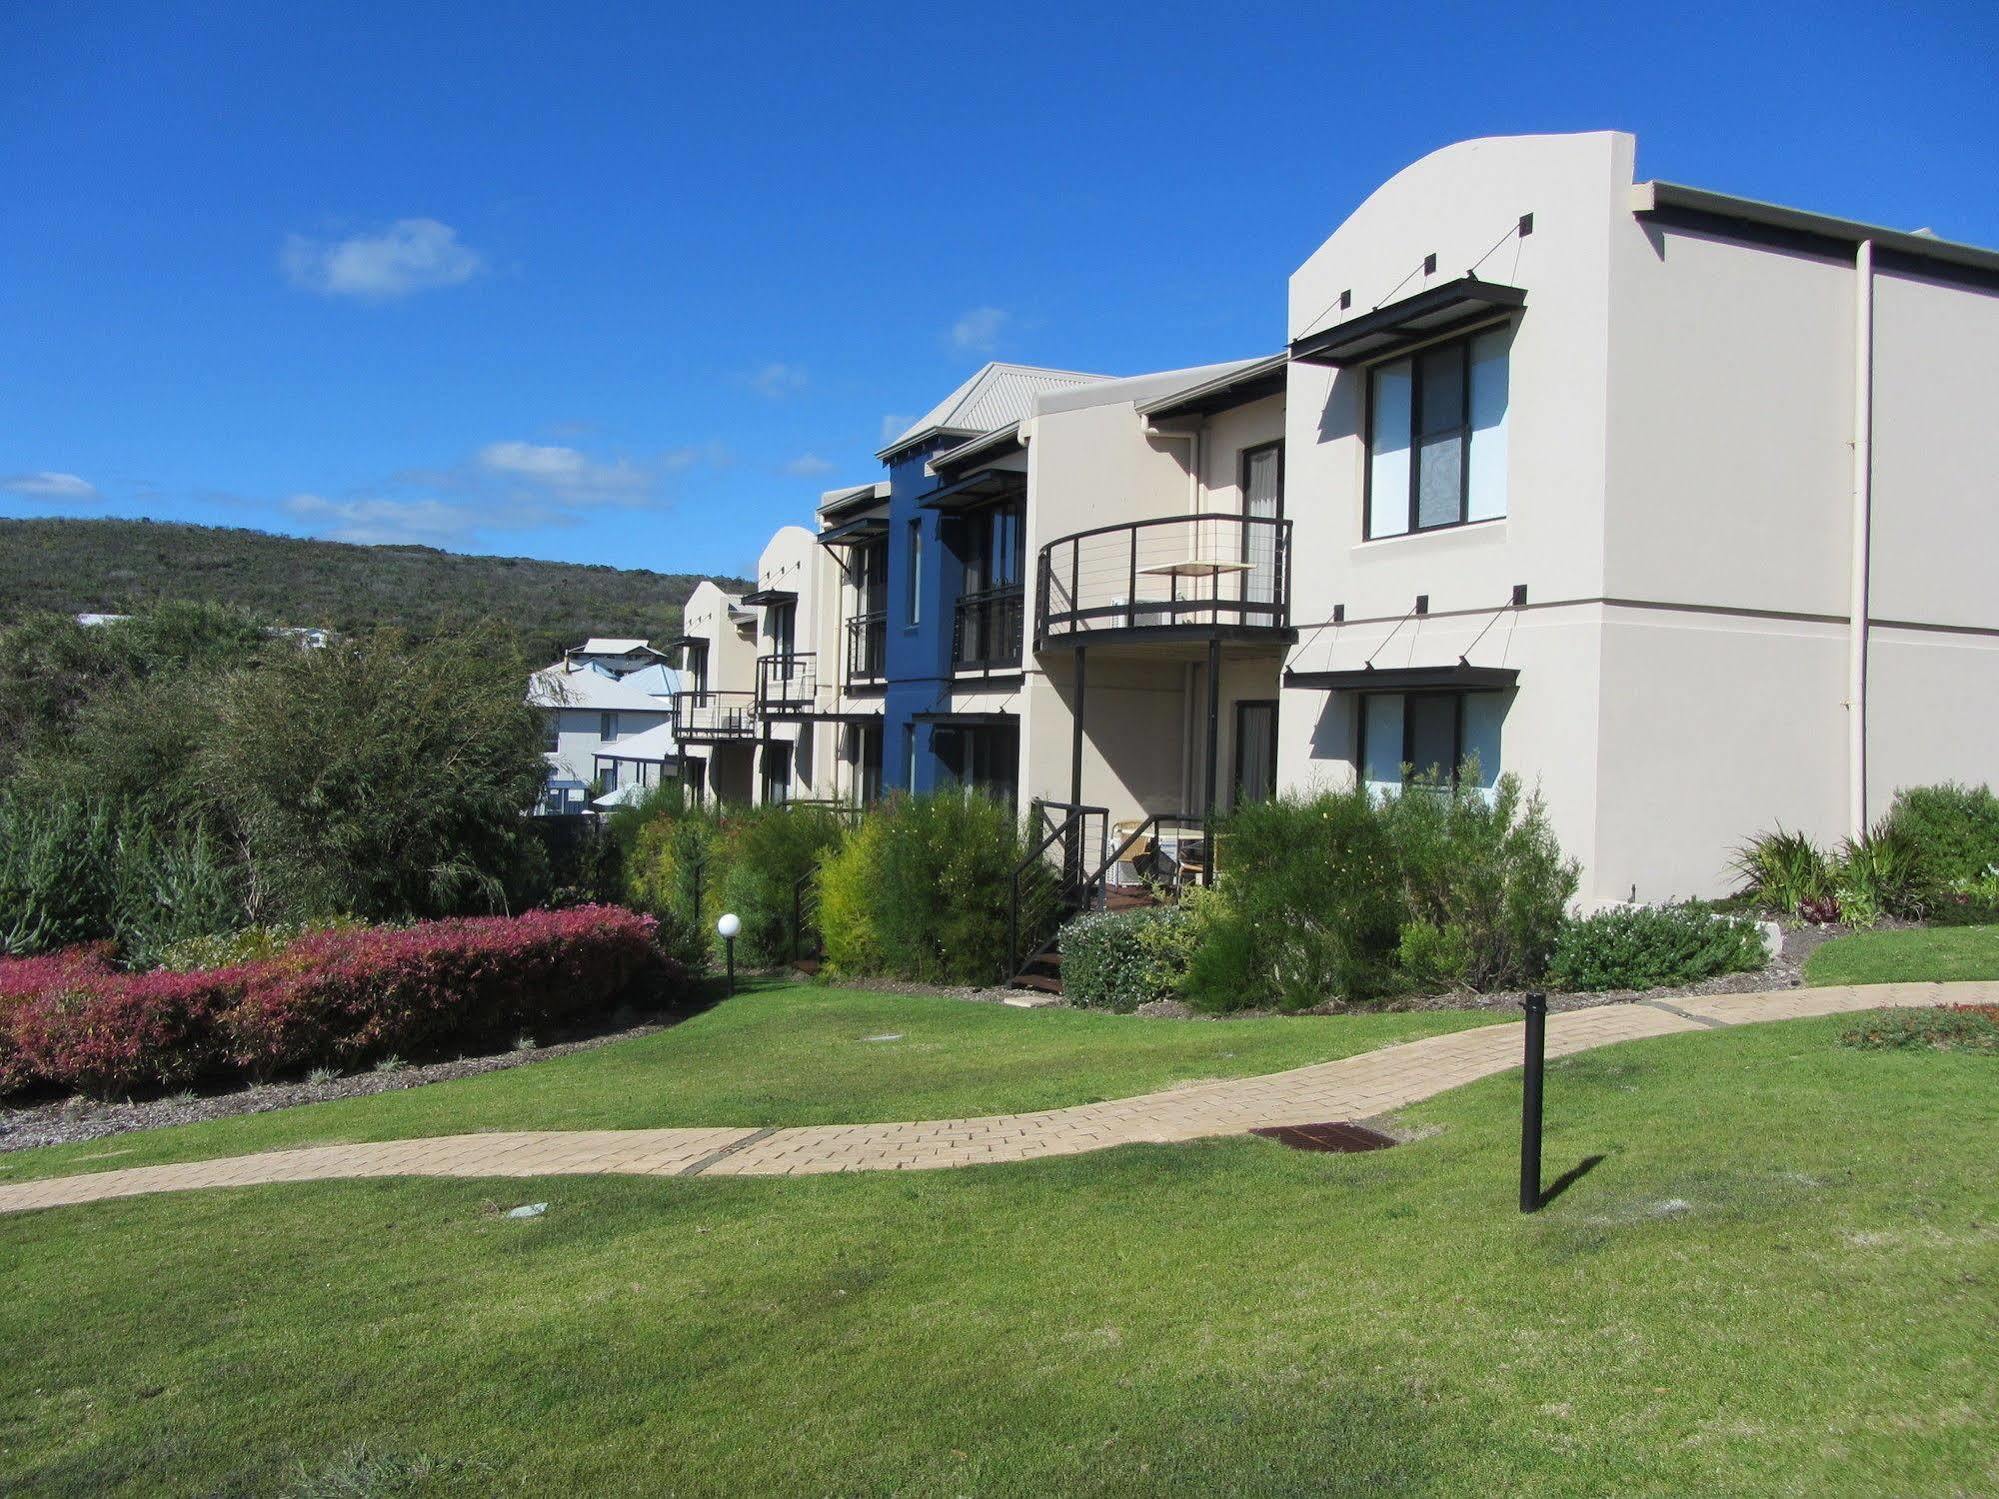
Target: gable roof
(998, 394)
(648, 691)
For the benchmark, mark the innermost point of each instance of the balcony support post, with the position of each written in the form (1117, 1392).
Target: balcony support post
(1076, 738)
(1213, 757)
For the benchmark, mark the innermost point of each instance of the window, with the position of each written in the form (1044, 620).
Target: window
(868, 769)
(909, 757)
(1428, 733)
(551, 732)
(915, 601)
(1437, 436)
(1255, 751)
(993, 559)
(777, 772)
(607, 727)
(981, 758)
(607, 775)
(782, 620)
(1262, 470)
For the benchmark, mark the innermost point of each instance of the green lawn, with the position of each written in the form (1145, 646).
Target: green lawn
(794, 1054)
(1919, 955)
(1783, 1277)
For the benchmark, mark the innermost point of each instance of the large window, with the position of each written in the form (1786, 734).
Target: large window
(782, 622)
(1437, 436)
(983, 758)
(1405, 734)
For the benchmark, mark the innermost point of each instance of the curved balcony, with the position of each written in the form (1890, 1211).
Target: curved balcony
(1181, 577)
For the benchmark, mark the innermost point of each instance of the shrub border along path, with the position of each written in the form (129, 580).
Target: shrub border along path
(1351, 1088)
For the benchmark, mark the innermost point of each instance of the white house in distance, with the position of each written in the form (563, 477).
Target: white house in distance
(608, 719)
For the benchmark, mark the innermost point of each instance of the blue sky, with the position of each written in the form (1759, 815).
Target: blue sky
(634, 284)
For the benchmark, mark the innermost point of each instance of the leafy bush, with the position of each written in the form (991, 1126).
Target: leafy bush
(79, 869)
(1343, 895)
(343, 998)
(1973, 1028)
(771, 848)
(250, 944)
(673, 863)
(1953, 829)
(1645, 947)
(920, 890)
(1786, 874)
(1483, 869)
(1119, 960)
(1312, 909)
(1881, 874)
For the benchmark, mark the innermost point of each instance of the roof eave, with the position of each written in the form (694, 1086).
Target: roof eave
(1666, 198)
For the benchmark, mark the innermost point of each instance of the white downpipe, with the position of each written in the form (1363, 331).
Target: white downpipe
(1863, 517)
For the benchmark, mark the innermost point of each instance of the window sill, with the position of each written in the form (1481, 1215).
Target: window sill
(1459, 529)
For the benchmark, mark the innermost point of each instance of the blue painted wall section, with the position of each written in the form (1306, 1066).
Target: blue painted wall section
(917, 656)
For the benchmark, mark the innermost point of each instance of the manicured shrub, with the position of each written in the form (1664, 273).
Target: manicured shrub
(1953, 829)
(1483, 870)
(1645, 947)
(250, 944)
(1973, 1028)
(343, 997)
(920, 890)
(109, 1034)
(350, 997)
(770, 850)
(1119, 960)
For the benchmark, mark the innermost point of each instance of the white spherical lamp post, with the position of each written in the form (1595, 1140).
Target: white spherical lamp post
(727, 927)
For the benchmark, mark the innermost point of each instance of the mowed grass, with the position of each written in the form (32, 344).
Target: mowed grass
(1918, 955)
(1782, 1276)
(784, 1054)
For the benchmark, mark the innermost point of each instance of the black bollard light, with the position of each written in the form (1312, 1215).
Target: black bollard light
(1536, 1006)
(728, 926)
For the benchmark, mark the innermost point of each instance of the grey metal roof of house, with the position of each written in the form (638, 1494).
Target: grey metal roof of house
(996, 395)
(648, 691)
(1218, 390)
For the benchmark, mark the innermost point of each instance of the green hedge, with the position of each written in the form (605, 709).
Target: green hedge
(1645, 947)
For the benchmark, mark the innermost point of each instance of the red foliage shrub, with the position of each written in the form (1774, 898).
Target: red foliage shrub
(345, 997)
(340, 998)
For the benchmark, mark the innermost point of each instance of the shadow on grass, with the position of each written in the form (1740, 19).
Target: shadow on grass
(1570, 1177)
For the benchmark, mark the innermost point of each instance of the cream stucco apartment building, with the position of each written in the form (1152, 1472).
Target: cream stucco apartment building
(1671, 504)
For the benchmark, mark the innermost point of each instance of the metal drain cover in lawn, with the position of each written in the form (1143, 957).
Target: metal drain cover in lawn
(1342, 1135)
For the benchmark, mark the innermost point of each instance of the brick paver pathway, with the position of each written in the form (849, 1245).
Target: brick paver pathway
(1352, 1088)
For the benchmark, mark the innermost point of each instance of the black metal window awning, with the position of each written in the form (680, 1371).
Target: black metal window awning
(686, 643)
(986, 487)
(1401, 325)
(967, 720)
(763, 598)
(1460, 677)
(855, 532)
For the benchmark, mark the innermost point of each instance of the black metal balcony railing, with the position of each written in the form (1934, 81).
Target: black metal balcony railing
(867, 648)
(787, 684)
(714, 715)
(1200, 571)
(987, 630)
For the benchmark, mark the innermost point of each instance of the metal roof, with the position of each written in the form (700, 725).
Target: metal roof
(647, 691)
(1667, 199)
(1251, 380)
(995, 396)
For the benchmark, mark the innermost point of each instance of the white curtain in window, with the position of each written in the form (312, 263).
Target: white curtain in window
(1388, 452)
(1381, 749)
(1483, 714)
(1487, 459)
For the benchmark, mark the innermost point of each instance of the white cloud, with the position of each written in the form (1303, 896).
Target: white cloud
(384, 522)
(411, 255)
(978, 331)
(808, 466)
(894, 424)
(47, 485)
(777, 380)
(564, 471)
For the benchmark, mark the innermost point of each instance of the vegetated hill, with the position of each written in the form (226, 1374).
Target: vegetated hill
(77, 566)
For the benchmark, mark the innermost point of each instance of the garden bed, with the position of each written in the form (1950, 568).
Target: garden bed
(69, 1121)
